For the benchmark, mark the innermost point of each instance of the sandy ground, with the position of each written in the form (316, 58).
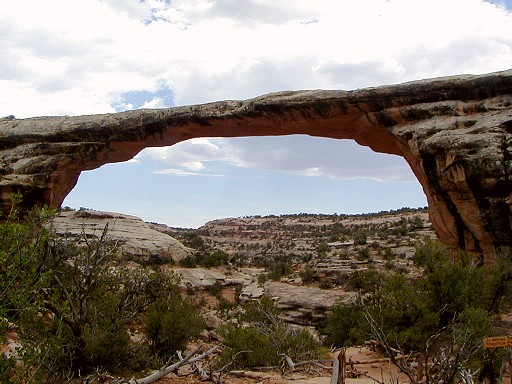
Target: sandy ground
(368, 372)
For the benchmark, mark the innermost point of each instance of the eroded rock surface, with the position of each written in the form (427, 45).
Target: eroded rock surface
(305, 305)
(203, 277)
(136, 239)
(455, 133)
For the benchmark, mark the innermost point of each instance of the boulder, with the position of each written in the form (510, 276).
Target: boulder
(136, 239)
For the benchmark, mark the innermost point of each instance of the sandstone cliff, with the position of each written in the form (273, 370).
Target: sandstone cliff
(455, 133)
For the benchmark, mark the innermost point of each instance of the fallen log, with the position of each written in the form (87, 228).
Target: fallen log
(167, 369)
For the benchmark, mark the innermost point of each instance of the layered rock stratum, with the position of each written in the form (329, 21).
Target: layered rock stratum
(134, 237)
(455, 133)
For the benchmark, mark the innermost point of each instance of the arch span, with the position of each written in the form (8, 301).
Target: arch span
(455, 133)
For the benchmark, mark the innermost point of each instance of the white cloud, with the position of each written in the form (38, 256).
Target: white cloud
(186, 152)
(68, 57)
(302, 155)
(255, 12)
(194, 166)
(156, 102)
(346, 75)
(181, 172)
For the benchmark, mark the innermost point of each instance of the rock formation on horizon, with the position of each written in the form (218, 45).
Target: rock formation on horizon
(455, 133)
(136, 239)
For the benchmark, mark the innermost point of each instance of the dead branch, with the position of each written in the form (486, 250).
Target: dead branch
(338, 367)
(167, 369)
(223, 369)
(401, 360)
(289, 362)
(296, 367)
(203, 376)
(379, 360)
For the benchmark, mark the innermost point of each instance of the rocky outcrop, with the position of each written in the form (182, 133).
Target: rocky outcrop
(305, 305)
(136, 239)
(454, 132)
(203, 278)
(299, 304)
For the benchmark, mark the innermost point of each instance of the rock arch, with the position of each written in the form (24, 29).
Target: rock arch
(455, 133)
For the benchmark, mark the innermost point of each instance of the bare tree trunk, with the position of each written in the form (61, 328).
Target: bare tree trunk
(335, 371)
(338, 368)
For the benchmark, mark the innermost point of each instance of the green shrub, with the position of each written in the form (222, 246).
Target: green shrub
(263, 337)
(70, 300)
(278, 270)
(323, 247)
(388, 254)
(254, 346)
(360, 237)
(325, 283)
(248, 346)
(107, 345)
(363, 254)
(346, 325)
(366, 281)
(215, 289)
(7, 370)
(307, 274)
(262, 311)
(428, 252)
(205, 259)
(224, 306)
(262, 278)
(193, 240)
(216, 259)
(416, 223)
(171, 322)
(444, 315)
(188, 262)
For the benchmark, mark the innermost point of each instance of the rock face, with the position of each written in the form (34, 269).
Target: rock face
(305, 305)
(136, 238)
(203, 277)
(455, 133)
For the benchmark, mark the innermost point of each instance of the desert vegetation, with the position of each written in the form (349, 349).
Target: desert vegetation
(77, 311)
(259, 338)
(431, 328)
(73, 309)
(321, 248)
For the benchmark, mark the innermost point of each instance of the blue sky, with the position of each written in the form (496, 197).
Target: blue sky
(226, 190)
(68, 57)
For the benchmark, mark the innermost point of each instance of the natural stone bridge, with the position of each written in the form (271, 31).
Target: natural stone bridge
(455, 133)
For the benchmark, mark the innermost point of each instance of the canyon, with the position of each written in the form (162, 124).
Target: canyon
(454, 132)
(305, 262)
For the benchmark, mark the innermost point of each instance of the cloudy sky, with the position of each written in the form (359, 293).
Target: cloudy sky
(71, 57)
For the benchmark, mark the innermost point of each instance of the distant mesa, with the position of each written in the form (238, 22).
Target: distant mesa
(455, 133)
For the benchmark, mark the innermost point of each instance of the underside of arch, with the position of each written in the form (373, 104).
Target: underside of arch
(455, 133)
